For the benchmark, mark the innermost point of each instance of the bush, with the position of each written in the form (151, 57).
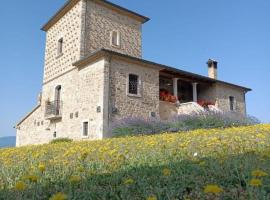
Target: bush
(61, 140)
(207, 120)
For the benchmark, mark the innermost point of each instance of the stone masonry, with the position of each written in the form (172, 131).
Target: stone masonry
(133, 106)
(101, 21)
(93, 76)
(69, 28)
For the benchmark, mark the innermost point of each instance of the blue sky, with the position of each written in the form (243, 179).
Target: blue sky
(182, 34)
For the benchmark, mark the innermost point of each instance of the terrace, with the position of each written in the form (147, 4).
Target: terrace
(183, 94)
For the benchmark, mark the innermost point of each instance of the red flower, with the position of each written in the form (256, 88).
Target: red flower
(205, 103)
(164, 95)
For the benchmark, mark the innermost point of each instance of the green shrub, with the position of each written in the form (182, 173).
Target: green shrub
(61, 140)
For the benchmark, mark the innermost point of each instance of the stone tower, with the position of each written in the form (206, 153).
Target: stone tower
(82, 27)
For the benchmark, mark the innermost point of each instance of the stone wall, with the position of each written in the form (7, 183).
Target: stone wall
(223, 92)
(220, 93)
(167, 110)
(129, 106)
(32, 130)
(82, 92)
(69, 28)
(207, 92)
(100, 21)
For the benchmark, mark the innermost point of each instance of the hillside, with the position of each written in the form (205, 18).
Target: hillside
(204, 164)
(7, 142)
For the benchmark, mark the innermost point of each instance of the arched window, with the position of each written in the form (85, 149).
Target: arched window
(57, 99)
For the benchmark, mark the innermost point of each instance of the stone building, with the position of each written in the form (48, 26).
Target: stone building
(94, 75)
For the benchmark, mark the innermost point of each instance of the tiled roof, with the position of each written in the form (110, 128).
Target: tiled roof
(103, 51)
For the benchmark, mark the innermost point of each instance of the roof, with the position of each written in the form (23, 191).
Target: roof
(99, 53)
(30, 113)
(70, 3)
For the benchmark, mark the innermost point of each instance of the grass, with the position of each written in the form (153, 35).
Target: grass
(61, 140)
(227, 164)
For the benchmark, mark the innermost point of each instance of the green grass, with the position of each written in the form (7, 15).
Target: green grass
(60, 140)
(164, 167)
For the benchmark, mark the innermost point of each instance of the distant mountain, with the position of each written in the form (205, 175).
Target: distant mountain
(7, 142)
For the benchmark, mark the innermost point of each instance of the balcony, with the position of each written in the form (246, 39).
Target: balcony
(53, 110)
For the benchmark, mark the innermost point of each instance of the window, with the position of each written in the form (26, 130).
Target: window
(232, 101)
(133, 84)
(85, 129)
(57, 99)
(71, 115)
(115, 38)
(60, 47)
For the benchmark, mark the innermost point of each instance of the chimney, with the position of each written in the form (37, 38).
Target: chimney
(212, 68)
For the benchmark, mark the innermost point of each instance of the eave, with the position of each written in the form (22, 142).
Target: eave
(105, 52)
(30, 113)
(70, 3)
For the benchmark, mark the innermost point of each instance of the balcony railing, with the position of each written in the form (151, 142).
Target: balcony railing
(53, 110)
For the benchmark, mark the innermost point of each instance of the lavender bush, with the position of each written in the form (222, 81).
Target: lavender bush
(206, 120)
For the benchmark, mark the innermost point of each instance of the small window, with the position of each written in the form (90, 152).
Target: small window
(85, 129)
(115, 38)
(99, 109)
(57, 100)
(60, 47)
(232, 101)
(133, 84)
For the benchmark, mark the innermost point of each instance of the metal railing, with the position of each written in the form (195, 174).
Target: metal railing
(53, 109)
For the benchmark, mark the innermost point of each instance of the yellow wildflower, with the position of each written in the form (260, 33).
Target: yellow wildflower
(152, 197)
(255, 182)
(59, 196)
(128, 181)
(75, 179)
(83, 156)
(259, 173)
(41, 167)
(166, 172)
(20, 186)
(215, 189)
(33, 178)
